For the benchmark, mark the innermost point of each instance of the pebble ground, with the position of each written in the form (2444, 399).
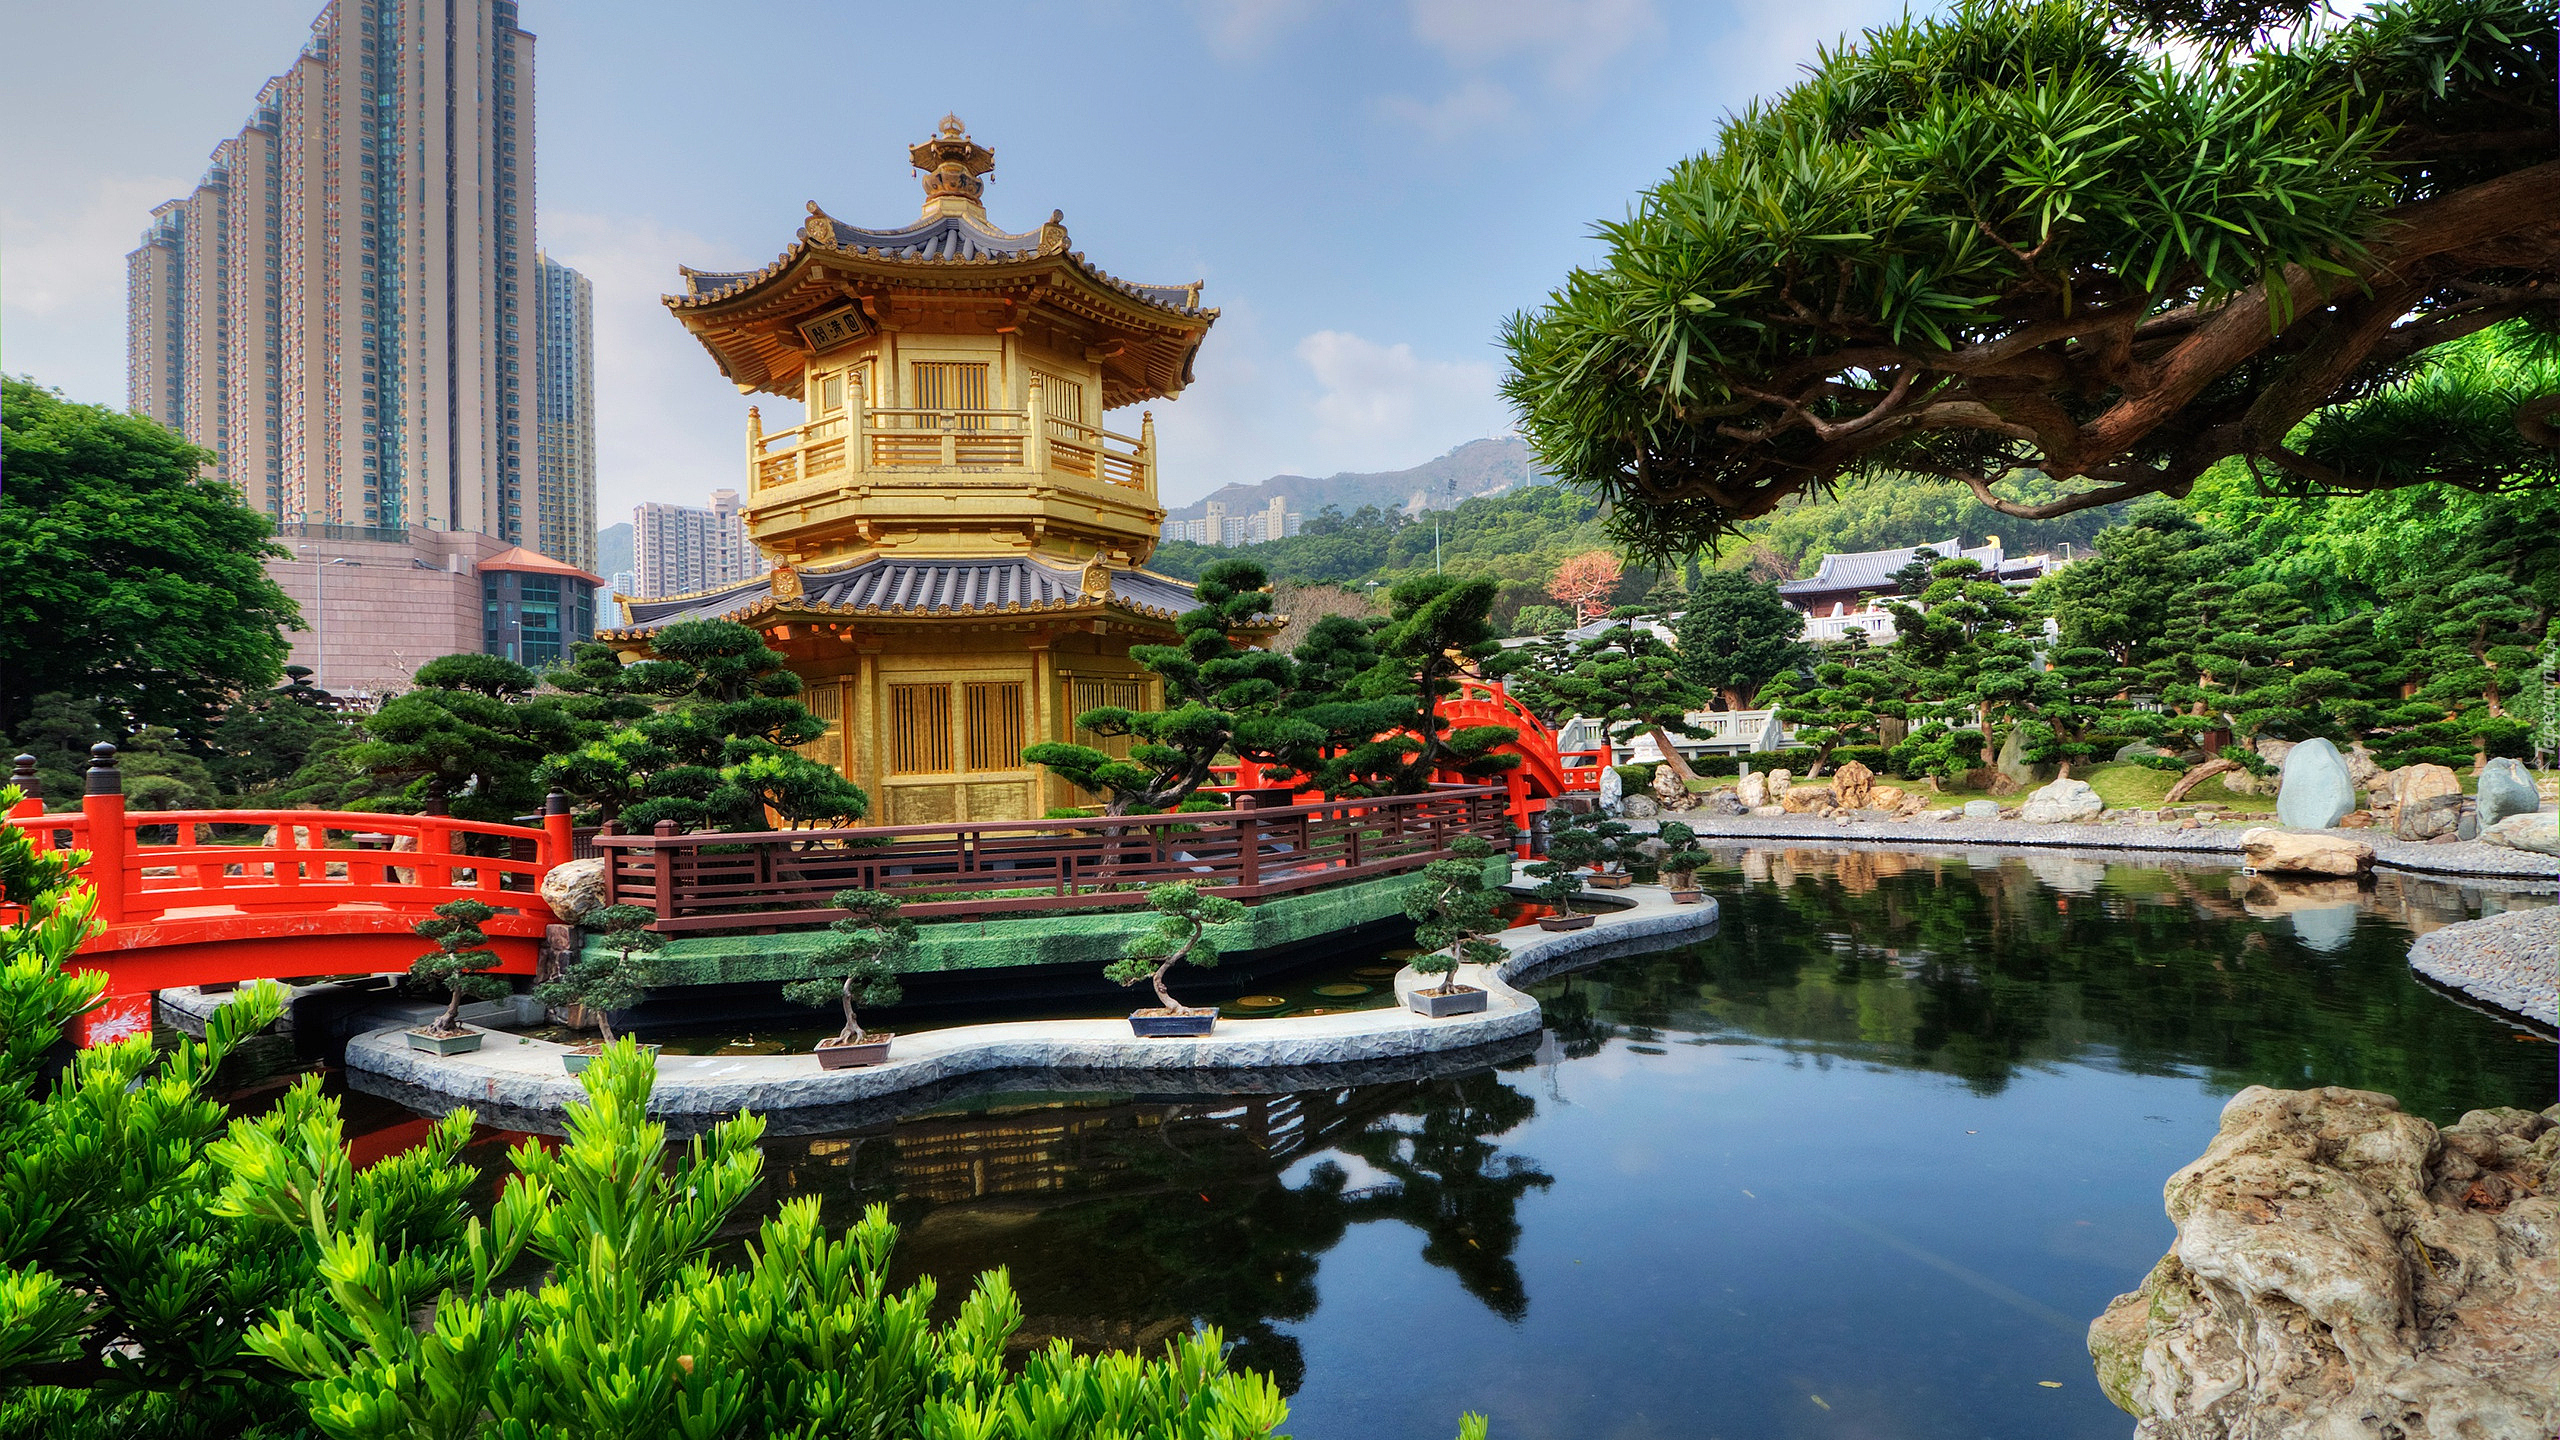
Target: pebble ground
(2510, 960)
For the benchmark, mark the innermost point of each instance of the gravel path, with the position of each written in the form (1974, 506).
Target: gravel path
(2511, 960)
(2462, 858)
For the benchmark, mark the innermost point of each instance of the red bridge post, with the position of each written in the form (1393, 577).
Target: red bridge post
(110, 837)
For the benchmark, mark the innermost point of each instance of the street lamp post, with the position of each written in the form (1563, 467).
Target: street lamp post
(320, 613)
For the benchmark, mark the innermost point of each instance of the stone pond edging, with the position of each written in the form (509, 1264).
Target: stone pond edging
(2466, 858)
(2511, 960)
(523, 1076)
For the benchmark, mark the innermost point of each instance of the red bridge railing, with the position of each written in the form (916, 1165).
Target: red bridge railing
(191, 897)
(784, 877)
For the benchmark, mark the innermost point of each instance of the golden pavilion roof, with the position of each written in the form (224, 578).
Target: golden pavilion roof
(950, 271)
(923, 589)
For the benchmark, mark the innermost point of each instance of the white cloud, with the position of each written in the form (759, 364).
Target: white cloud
(1382, 406)
(668, 427)
(63, 304)
(1573, 41)
(1476, 105)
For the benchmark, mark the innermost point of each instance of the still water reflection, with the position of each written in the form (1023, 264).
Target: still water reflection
(1863, 1164)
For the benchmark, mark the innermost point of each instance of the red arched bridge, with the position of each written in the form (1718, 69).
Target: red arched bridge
(199, 897)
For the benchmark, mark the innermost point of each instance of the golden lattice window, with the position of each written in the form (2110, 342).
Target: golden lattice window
(952, 385)
(919, 729)
(825, 701)
(1095, 694)
(994, 711)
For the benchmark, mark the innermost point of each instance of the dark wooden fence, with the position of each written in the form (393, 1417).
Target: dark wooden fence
(777, 878)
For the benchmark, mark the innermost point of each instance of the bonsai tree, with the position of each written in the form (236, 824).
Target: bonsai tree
(460, 962)
(1183, 918)
(859, 965)
(1452, 911)
(1572, 844)
(1682, 862)
(616, 979)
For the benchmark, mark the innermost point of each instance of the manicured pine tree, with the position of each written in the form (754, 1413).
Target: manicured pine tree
(2474, 636)
(1381, 732)
(472, 730)
(1223, 695)
(1850, 687)
(716, 751)
(1631, 682)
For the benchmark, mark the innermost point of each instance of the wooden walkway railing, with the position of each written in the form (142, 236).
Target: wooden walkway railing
(779, 878)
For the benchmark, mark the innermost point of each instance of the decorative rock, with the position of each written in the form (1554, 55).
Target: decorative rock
(1612, 789)
(2138, 750)
(1779, 780)
(2317, 792)
(2013, 759)
(1767, 810)
(1638, 807)
(2430, 801)
(2273, 750)
(1753, 791)
(2338, 1260)
(1851, 784)
(1723, 803)
(2284, 852)
(2538, 833)
(1981, 810)
(573, 888)
(1799, 799)
(2506, 788)
(2361, 766)
(2468, 827)
(1882, 797)
(1670, 791)
(2062, 802)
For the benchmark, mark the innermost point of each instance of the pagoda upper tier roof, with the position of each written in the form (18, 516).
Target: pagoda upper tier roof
(952, 271)
(941, 588)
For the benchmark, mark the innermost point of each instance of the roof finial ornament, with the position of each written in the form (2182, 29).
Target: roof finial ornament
(820, 228)
(1053, 235)
(952, 163)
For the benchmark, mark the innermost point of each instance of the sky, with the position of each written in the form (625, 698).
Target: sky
(1367, 186)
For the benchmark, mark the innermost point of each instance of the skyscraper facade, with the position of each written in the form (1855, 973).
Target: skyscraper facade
(680, 549)
(344, 310)
(565, 408)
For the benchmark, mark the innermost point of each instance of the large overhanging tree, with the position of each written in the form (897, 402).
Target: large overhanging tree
(2035, 238)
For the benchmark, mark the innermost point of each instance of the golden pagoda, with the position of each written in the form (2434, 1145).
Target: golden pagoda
(957, 540)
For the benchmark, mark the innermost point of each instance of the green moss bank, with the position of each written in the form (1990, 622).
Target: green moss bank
(1091, 939)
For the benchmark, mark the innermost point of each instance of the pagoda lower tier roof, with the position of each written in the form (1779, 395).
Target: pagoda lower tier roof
(889, 586)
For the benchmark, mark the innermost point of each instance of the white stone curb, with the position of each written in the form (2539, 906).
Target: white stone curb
(517, 1073)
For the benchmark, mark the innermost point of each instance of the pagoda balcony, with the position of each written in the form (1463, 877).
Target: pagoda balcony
(873, 444)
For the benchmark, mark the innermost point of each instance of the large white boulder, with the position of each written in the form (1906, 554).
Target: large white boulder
(2062, 802)
(2338, 1260)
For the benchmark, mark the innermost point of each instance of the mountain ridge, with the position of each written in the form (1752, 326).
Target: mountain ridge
(1488, 466)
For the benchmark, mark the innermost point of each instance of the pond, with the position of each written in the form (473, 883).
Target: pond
(1865, 1163)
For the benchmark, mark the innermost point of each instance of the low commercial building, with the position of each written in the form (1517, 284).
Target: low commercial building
(378, 603)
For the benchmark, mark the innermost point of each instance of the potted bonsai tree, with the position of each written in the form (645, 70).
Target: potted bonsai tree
(1613, 850)
(1451, 912)
(1183, 918)
(616, 979)
(1681, 864)
(460, 963)
(858, 965)
(1572, 844)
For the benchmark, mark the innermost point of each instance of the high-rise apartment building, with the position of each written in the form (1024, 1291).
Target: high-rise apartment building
(680, 549)
(565, 410)
(346, 309)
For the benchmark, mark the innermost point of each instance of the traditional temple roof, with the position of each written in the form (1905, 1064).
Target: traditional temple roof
(1873, 569)
(939, 588)
(837, 283)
